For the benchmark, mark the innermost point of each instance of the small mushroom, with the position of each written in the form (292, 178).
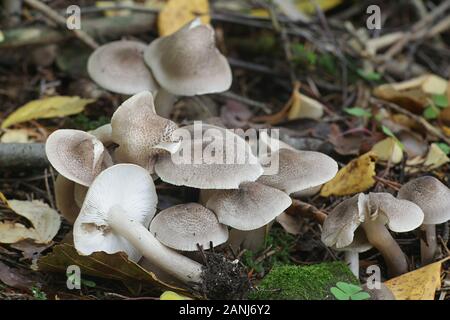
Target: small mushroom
(298, 170)
(119, 67)
(433, 197)
(76, 155)
(250, 207)
(373, 213)
(114, 218)
(140, 132)
(65, 200)
(216, 159)
(185, 226)
(187, 63)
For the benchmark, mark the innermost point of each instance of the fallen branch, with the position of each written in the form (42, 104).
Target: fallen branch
(22, 155)
(111, 27)
(300, 208)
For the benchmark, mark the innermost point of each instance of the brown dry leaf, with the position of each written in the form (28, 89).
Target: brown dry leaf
(177, 13)
(446, 130)
(45, 220)
(356, 176)
(420, 284)
(305, 107)
(108, 266)
(388, 150)
(14, 278)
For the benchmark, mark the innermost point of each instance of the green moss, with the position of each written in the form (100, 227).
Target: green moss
(303, 283)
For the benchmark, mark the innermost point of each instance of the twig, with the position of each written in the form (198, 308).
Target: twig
(53, 15)
(428, 126)
(305, 209)
(244, 100)
(22, 155)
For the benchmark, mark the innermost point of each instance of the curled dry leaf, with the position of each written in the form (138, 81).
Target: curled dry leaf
(388, 150)
(435, 157)
(420, 284)
(100, 264)
(356, 176)
(45, 221)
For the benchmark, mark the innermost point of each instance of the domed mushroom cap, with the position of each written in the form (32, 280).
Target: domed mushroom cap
(127, 186)
(431, 195)
(250, 207)
(340, 225)
(187, 63)
(119, 67)
(137, 129)
(77, 155)
(218, 159)
(184, 226)
(399, 215)
(299, 170)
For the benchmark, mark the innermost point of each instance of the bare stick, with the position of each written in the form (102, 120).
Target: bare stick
(22, 155)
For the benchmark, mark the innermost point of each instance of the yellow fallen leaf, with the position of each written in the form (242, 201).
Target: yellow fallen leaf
(308, 6)
(177, 13)
(388, 150)
(45, 221)
(114, 13)
(356, 176)
(2, 36)
(170, 295)
(435, 157)
(45, 108)
(15, 136)
(446, 130)
(304, 107)
(420, 284)
(260, 13)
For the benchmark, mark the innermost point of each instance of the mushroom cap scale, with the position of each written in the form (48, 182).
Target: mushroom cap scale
(187, 62)
(137, 129)
(76, 155)
(184, 226)
(431, 195)
(125, 186)
(250, 207)
(299, 170)
(119, 67)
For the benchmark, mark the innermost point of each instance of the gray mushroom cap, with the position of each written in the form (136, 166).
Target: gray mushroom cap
(184, 226)
(298, 170)
(431, 195)
(119, 67)
(250, 207)
(188, 63)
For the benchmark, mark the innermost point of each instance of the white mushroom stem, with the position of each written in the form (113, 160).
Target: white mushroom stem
(382, 240)
(429, 246)
(164, 103)
(352, 260)
(167, 259)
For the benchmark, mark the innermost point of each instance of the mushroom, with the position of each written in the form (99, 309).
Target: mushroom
(103, 133)
(114, 218)
(119, 67)
(140, 132)
(65, 200)
(187, 63)
(373, 212)
(185, 226)
(298, 170)
(76, 155)
(250, 207)
(433, 197)
(213, 158)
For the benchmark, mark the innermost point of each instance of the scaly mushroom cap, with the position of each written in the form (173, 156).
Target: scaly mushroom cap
(119, 67)
(250, 207)
(340, 225)
(187, 63)
(298, 170)
(399, 215)
(218, 159)
(431, 195)
(77, 155)
(125, 185)
(184, 226)
(137, 129)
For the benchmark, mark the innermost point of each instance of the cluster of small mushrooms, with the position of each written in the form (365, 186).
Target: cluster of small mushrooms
(106, 189)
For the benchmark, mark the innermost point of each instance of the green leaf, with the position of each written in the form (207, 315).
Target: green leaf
(339, 294)
(358, 112)
(370, 76)
(440, 100)
(444, 147)
(348, 288)
(360, 296)
(88, 283)
(431, 112)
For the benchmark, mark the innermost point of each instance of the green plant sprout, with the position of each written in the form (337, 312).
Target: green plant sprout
(437, 102)
(348, 291)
